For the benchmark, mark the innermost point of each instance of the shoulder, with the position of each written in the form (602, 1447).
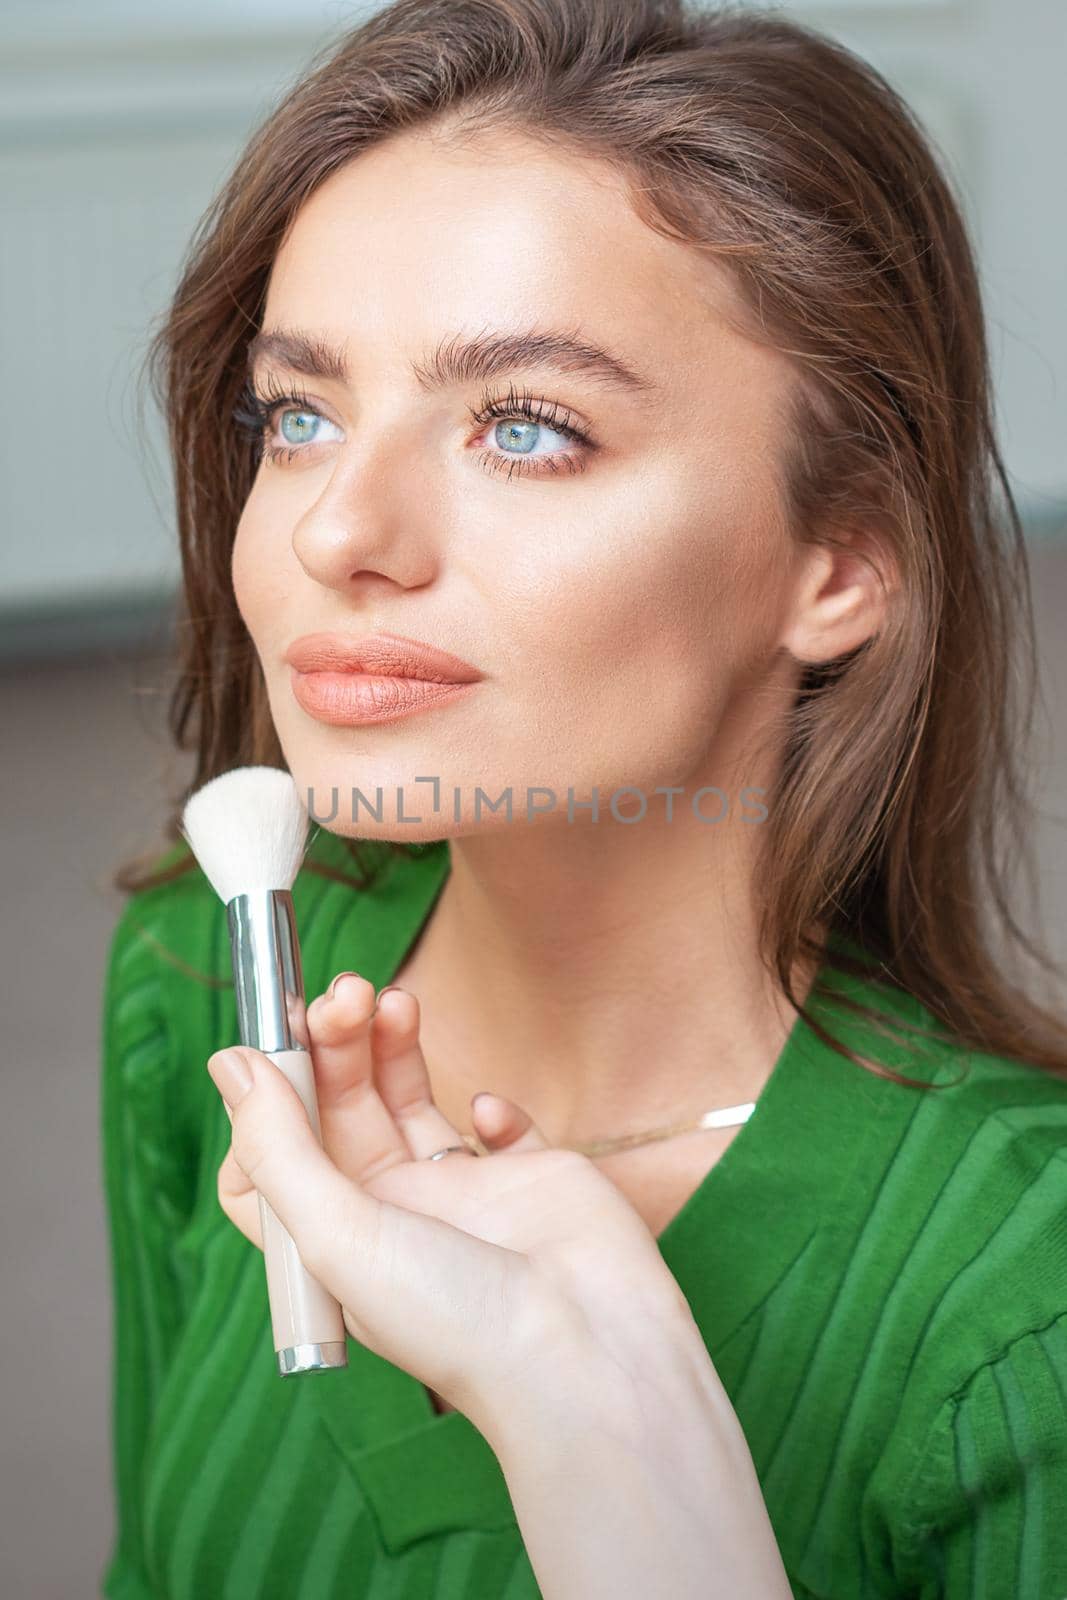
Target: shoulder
(140, 951)
(178, 929)
(977, 1313)
(988, 1152)
(147, 912)
(1001, 1126)
(969, 1152)
(961, 1190)
(168, 991)
(170, 948)
(1004, 1120)
(968, 1119)
(161, 984)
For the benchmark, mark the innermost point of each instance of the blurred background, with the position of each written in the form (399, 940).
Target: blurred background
(118, 121)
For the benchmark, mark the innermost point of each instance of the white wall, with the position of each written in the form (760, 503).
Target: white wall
(118, 120)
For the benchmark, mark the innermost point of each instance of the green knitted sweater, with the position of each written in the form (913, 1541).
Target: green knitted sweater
(879, 1274)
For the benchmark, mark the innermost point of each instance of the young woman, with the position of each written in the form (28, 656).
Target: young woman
(607, 381)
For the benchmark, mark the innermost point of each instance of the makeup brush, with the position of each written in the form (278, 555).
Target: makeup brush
(248, 830)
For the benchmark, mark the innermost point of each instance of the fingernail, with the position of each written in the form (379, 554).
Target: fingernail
(378, 996)
(231, 1075)
(331, 991)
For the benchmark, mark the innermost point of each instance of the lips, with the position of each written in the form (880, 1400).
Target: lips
(379, 656)
(351, 682)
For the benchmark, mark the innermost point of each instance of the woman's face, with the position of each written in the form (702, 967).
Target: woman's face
(618, 592)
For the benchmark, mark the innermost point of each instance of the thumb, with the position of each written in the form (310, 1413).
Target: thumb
(275, 1145)
(502, 1125)
(412, 1286)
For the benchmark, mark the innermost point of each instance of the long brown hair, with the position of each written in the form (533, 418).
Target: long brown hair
(777, 151)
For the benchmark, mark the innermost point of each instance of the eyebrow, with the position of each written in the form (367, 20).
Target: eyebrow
(456, 361)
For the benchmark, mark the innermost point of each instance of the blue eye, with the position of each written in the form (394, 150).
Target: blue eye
(524, 419)
(299, 422)
(522, 434)
(303, 428)
(522, 426)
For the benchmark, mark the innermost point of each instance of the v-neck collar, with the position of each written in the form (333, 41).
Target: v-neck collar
(751, 1217)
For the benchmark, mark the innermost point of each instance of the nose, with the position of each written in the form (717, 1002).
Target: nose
(367, 527)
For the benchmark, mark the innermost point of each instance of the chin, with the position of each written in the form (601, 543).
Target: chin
(358, 797)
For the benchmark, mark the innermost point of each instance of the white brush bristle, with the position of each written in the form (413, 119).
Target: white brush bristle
(247, 829)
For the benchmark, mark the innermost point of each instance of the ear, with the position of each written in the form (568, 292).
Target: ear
(844, 584)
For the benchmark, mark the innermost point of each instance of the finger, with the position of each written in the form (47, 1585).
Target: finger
(237, 1196)
(503, 1125)
(404, 1277)
(274, 1145)
(358, 1130)
(238, 1199)
(403, 1079)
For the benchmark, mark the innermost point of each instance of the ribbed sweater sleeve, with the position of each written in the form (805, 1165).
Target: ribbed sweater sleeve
(148, 1197)
(989, 1494)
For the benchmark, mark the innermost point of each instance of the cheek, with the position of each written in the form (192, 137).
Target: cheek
(243, 570)
(256, 574)
(645, 619)
(652, 588)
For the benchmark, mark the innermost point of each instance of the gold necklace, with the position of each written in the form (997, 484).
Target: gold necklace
(726, 1117)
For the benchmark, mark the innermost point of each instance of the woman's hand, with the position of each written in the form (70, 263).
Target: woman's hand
(475, 1274)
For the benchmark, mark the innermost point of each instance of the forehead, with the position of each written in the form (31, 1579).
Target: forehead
(418, 237)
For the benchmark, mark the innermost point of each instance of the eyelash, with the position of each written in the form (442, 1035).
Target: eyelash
(254, 413)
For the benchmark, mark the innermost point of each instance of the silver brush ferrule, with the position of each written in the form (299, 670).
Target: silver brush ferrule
(267, 975)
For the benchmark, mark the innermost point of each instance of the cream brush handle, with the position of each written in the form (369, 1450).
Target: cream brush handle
(307, 1322)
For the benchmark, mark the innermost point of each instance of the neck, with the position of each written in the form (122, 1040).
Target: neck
(605, 977)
